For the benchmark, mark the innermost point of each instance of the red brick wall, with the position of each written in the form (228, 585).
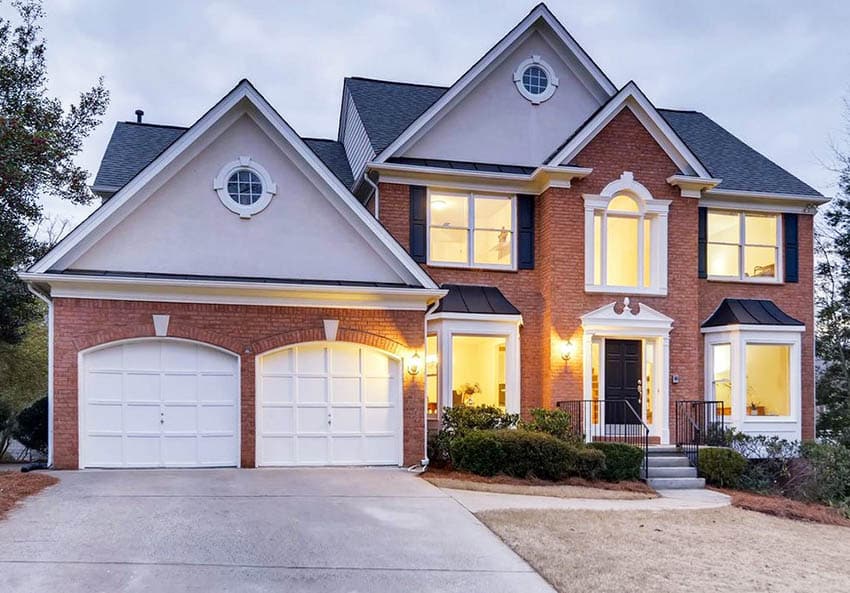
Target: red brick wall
(245, 330)
(552, 298)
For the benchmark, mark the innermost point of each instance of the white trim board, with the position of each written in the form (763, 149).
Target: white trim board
(631, 97)
(587, 69)
(244, 98)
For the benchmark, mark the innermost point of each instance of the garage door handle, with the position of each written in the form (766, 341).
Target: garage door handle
(330, 419)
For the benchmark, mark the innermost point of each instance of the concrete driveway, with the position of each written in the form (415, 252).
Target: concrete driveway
(253, 530)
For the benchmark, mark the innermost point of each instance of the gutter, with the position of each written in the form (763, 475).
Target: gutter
(376, 193)
(45, 297)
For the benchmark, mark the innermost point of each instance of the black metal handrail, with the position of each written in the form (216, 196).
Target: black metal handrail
(612, 420)
(699, 423)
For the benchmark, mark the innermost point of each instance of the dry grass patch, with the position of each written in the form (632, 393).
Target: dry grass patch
(726, 550)
(15, 486)
(570, 488)
(779, 506)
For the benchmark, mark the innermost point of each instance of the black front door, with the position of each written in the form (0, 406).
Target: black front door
(622, 381)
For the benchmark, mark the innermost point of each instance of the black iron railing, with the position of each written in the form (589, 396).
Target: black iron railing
(613, 421)
(699, 423)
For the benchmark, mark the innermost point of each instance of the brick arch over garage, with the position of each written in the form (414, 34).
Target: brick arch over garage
(146, 330)
(313, 334)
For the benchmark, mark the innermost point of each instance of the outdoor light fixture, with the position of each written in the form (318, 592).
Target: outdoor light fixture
(414, 364)
(567, 349)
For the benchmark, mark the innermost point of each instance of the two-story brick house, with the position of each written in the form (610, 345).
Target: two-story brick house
(527, 235)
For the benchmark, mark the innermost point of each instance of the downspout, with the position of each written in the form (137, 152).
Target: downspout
(428, 313)
(376, 193)
(49, 302)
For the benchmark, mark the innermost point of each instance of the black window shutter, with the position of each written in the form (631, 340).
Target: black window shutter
(702, 230)
(792, 252)
(525, 232)
(418, 223)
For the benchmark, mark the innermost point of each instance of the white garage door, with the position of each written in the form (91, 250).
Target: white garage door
(328, 403)
(159, 403)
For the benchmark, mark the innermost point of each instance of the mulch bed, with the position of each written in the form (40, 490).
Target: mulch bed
(601, 485)
(15, 486)
(787, 508)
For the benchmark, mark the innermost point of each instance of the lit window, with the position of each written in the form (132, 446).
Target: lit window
(721, 377)
(471, 230)
(768, 379)
(431, 372)
(743, 246)
(622, 245)
(478, 370)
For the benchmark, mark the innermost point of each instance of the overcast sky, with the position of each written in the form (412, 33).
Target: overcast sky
(774, 73)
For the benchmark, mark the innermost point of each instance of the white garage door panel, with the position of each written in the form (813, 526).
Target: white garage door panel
(328, 403)
(159, 403)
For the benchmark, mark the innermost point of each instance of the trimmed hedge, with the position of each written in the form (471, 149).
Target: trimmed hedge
(722, 467)
(522, 454)
(622, 461)
(558, 423)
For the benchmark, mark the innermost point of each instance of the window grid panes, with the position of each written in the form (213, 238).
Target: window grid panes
(471, 230)
(535, 80)
(245, 187)
(743, 246)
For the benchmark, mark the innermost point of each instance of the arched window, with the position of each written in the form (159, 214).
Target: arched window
(627, 239)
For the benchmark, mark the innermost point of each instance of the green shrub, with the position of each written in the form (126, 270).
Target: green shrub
(622, 461)
(31, 426)
(824, 474)
(590, 463)
(463, 418)
(558, 423)
(522, 454)
(722, 467)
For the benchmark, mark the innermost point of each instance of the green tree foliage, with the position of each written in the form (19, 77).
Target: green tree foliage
(23, 369)
(39, 139)
(833, 309)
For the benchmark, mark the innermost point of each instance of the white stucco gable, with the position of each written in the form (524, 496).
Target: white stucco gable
(170, 220)
(485, 117)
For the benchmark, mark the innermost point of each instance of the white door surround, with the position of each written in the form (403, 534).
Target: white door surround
(653, 328)
(158, 402)
(328, 403)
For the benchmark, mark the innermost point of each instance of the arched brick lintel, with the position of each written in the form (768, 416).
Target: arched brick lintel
(318, 335)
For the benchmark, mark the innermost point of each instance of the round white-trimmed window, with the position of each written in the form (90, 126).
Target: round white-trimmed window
(535, 80)
(244, 187)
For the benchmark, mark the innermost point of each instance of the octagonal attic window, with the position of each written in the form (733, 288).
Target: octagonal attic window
(535, 80)
(244, 187)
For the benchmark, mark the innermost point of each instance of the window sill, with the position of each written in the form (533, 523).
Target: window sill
(769, 281)
(770, 419)
(629, 290)
(451, 266)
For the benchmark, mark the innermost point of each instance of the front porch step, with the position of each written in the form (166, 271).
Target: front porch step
(686, 471)
(676, 483)
(668, 461)
(664, 450)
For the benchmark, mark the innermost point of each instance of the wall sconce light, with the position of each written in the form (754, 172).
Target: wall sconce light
(414, 364)
(567, 349)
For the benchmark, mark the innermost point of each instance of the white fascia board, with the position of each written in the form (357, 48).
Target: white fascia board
(243, 91)
(476, 317)
(178, 290)
(766, 201)
(692, 187)
(630, 96)
(738, 328)
(492, 58)
(538, 181)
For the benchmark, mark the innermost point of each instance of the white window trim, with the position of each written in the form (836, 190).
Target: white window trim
(738, 337)
(651, 209)
(553, 81)
(445, 328)
(779, 273)
(470, 229)
(244, 163)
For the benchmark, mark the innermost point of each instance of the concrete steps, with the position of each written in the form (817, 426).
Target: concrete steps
(669, 469)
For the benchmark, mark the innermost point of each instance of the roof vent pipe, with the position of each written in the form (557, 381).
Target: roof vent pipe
(139, 114)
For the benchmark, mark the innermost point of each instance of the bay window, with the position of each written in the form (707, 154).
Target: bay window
(743, 245)
(471, 230)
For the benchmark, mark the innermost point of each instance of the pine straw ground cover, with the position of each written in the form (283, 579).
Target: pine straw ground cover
(569, 488)
(787, 508)
(15, 486)
(726, 550)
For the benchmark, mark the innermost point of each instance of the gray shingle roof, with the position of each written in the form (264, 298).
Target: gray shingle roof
(728, 158)
(387, 108)
(133, 147)
(463, 165)
(749, 312)
(130, 149)
(482, 300)
(332, 153)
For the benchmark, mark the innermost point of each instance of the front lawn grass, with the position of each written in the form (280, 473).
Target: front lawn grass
(727, 550)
